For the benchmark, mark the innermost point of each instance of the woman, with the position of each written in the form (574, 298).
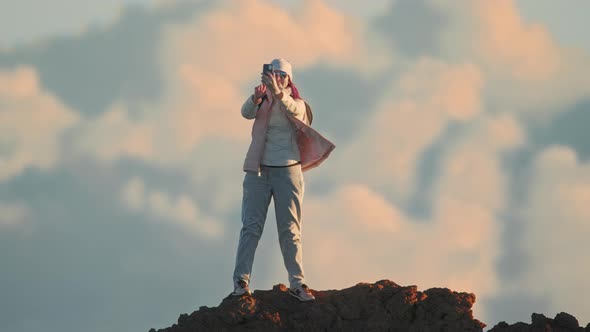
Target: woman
(283, 147)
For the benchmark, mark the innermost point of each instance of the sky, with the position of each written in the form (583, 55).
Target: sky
(462, 157)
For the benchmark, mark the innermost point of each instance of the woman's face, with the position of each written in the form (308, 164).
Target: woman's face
(282, 78)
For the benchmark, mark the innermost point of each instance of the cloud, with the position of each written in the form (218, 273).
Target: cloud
(167, 108)
(13, 215)
(105, 63)
(31, 123)
(50, 20)
(557, 231)
(455, 247)
(180, 210)
(115, 134)
(472, 169)
(523, 51)
(411, 27)
(357, 235)
(413, 112)
(528, 71)
(314, 32)
(205, 81)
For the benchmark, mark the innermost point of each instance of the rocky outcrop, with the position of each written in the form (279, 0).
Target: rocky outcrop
(381, 306)
(563, 322)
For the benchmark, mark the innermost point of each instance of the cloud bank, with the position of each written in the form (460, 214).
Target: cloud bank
(420, 189)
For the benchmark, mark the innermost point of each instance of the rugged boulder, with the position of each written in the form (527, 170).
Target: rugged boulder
(381, 306)
(563, 322)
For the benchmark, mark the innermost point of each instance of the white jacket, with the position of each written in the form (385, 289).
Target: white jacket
(280, 147)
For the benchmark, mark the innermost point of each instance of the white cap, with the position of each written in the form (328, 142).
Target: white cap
(283, 65)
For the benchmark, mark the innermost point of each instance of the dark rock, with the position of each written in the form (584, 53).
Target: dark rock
(563, 322)
(381, 306)
(502, 325)
(538, 320)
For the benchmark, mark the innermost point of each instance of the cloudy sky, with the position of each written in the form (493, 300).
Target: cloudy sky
(462, 156)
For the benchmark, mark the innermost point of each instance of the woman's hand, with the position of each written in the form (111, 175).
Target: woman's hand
(270, 81)
(259, 92)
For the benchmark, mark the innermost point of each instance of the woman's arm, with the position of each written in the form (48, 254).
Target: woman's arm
(294, 106)
(250, 108)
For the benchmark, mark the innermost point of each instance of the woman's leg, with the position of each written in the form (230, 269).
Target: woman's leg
(255, 201)
(288, 188)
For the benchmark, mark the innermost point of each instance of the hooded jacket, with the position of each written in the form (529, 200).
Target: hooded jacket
(313, 147)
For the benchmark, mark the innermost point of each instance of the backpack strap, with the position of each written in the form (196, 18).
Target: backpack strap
(308, 113)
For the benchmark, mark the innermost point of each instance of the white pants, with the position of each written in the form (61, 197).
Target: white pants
(285, 185)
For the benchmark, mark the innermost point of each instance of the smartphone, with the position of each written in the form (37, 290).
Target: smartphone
(267, 68)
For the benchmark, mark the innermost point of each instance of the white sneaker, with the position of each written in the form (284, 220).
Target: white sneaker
(241, 288)
(303, 293)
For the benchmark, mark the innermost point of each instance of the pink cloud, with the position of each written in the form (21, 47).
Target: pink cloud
(471, 169)
(525, 68)
(114, 134)
(358, 236)
(412, 114)
(258, 31)
(207, 61)
(31, 123)
(177, 210)
(456, 247)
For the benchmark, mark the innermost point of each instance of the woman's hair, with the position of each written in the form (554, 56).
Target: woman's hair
(294, 91)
